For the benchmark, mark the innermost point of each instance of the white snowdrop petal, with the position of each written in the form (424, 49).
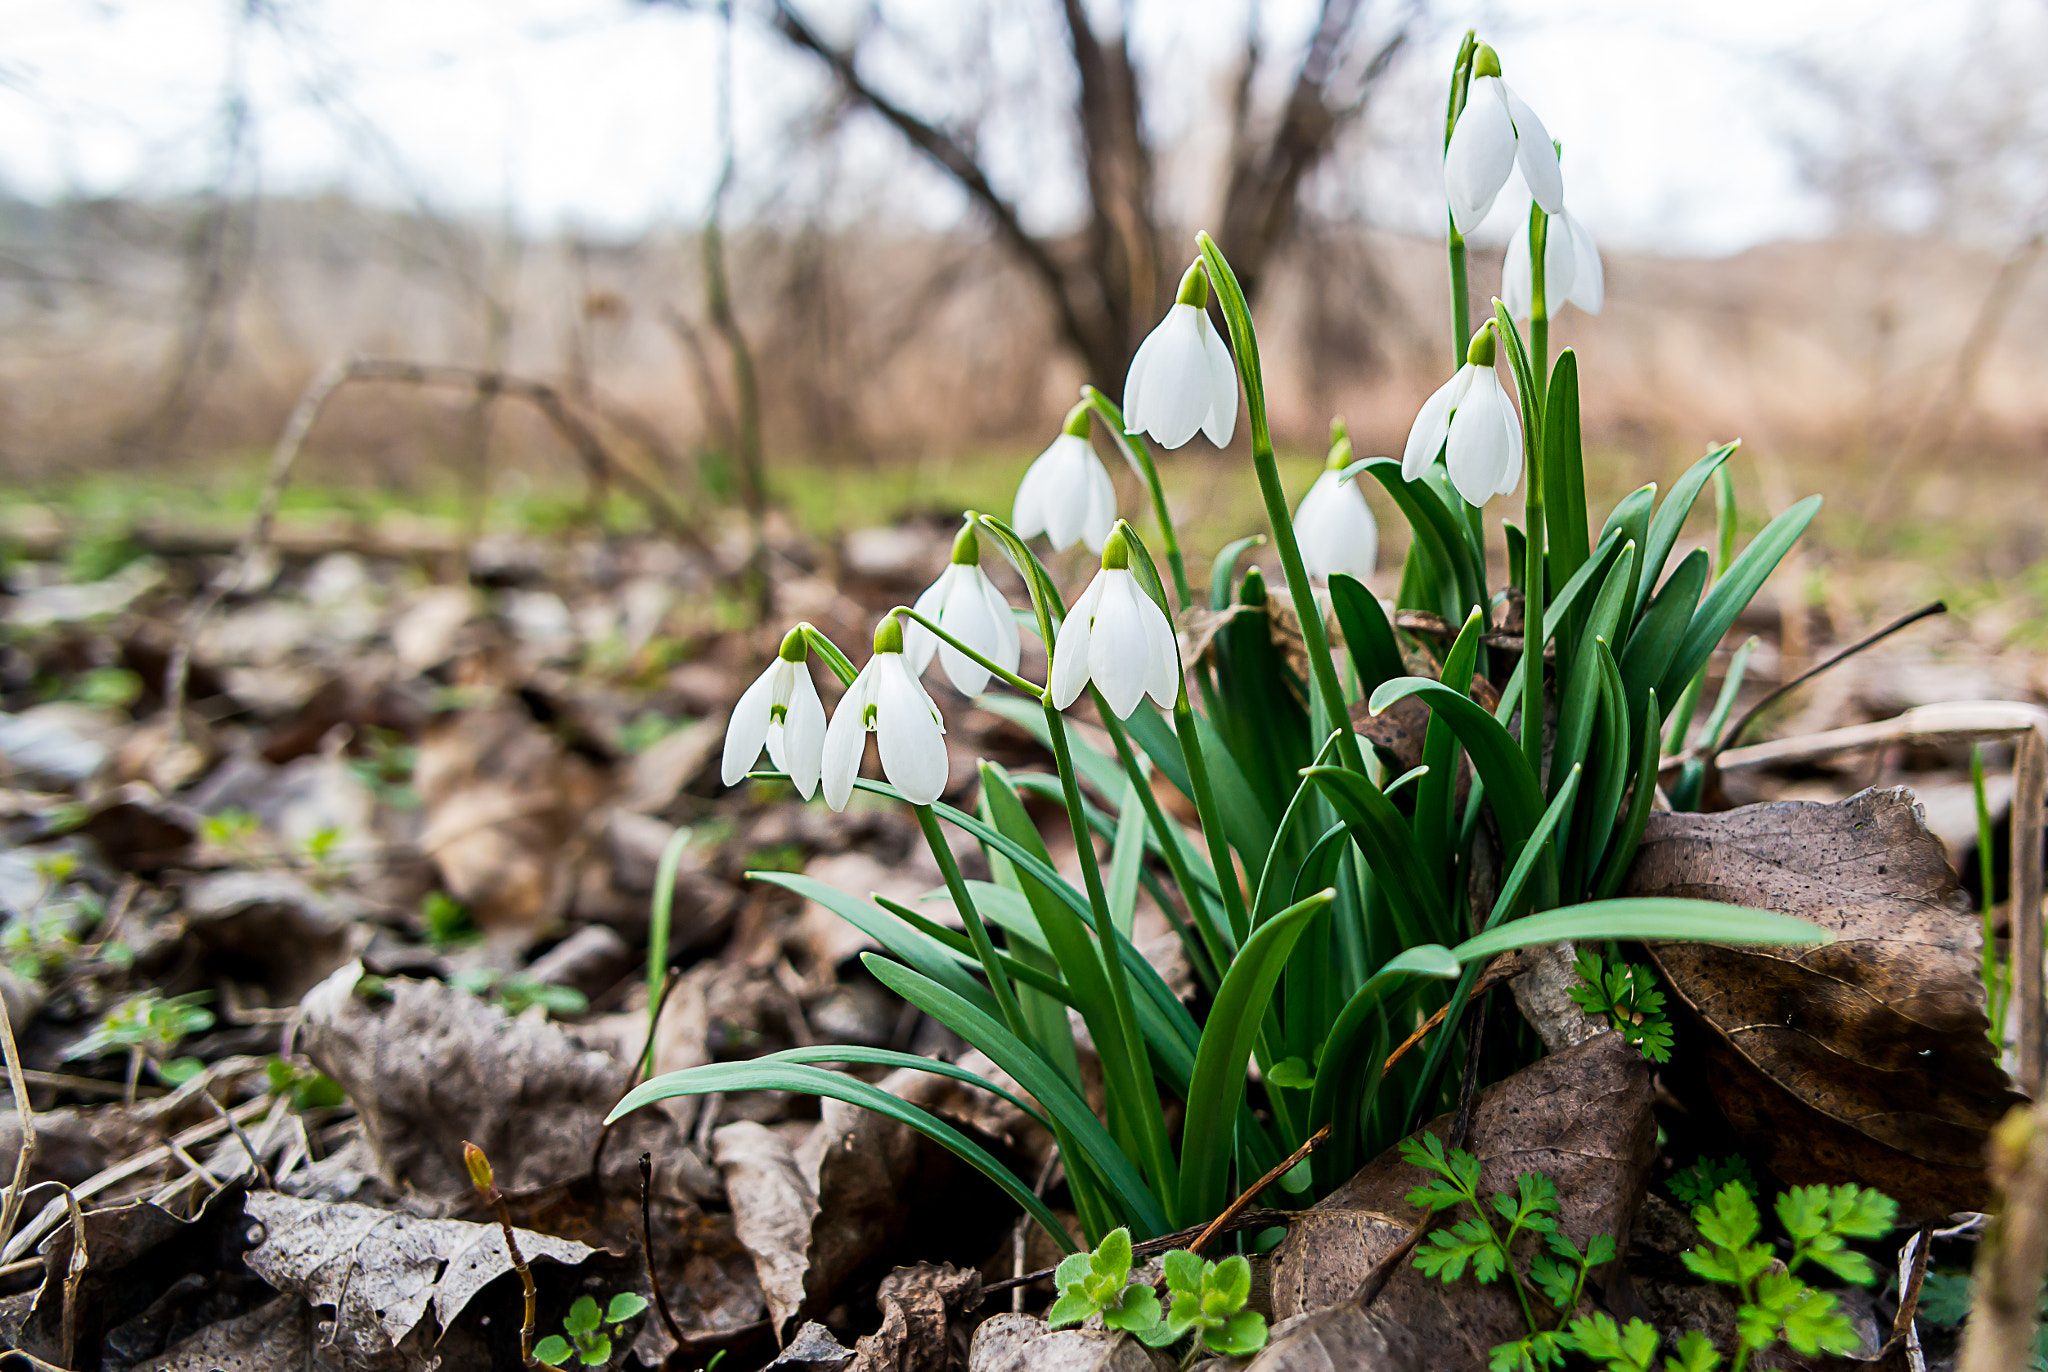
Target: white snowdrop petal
(1222, 419)
(1477, 452)
(747, 731)
(1162, 654)
(1099, 515)
(1589, 277)
(908, 734)
(846, 739)
(1481, 153)
(1070, 648)
(1117, 644)
(1535, 153)
(1139, 381)
(1006, 646)
(1517, 283)
(1177, 386)
(803, 735)
(1432, 424)
(967, 618)
(1028, 515)
(1511, 473)
(919, 643)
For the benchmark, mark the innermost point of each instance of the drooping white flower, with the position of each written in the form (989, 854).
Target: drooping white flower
(1334, 526)
(1117, 637)
(782, 713)
(1471, 418)
(1495, 131)
(967, 605)
(886, 699)
(1067, 494)
(1182, 378)
(1572, 274)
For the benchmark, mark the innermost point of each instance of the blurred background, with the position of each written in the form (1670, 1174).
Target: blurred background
(841, 261)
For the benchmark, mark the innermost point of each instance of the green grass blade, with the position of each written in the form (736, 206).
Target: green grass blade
(1648, 919)
(1348, 1069)
(1436, 793)
(1375, 652)
(1646, 660)
(1564, 472)
(1736, 588)
(1218, 1084)
(812, 1081)
(1615, 868)
(1669, 522)
(1225, 568)
(1438, 533)
(1496, 756)
(1631, 516)
(928, 956)
(1388, 846)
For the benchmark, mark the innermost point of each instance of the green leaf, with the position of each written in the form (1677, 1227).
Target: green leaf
(582, 1317)
(1694, 1351)
(1217, 1086)
(594, 1350)
(1631, 516)
(1231, 1279)
(1516, 799)
(1644, 918)
(1556, 1280)
(1435, 824)
(1071, 1308)
(1735, 589)
(1646, 660)
(625, 1305)
(1669, 521)
(554, 1350)
(1623, 1349)
(1069, 1110)
(1183, 1272)
(929, 957)
(1446, 1253)
(1383, 836)
(1375, 653)
(1731, 1220)
(1222, 570)
(1436, 532)
(1621, 853)
(771, 1076)
(1138, 1312)
(1347, 1071)
(1242, 1335)
(1564, 471)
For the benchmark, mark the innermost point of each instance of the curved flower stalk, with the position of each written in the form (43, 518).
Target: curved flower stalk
(1496, 131)
(780, 712)
(1471, 418)
(1182, 378)
(1117, 637)
(886, 699)
(1333, 523)
(1572, 273)
(1066, 493)
(966, 604)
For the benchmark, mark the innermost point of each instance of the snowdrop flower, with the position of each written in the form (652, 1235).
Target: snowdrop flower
(780, 712)
(1572, 274)
(1495, 131)
(967, 605)
(1067, 494)
(1472, 419)
(1183, 378)
(887, 700)
(1333, 524)
(1117, 637)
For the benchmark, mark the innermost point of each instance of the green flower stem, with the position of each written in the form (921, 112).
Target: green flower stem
(841, 665)
(1539, 305)
(1008, 678)
(1139, 454)
(1213, 950)
(1212, 822)
(1461, 299)
(977, 932)
(1129, 1083)
(1315, 638)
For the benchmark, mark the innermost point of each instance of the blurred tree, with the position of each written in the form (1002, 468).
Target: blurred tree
(1108, 281)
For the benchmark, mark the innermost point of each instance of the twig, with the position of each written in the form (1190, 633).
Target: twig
(1499, 970)
(480, 1176)
(647, 1248)
(73, 1275)
(255, 1158)
(1279, 1170)
(2005, 1291)
(10, 1207)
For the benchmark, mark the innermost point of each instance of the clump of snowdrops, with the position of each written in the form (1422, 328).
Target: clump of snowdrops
(1325, 906)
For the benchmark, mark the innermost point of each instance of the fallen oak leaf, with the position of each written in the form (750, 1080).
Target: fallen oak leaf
(381, 1270)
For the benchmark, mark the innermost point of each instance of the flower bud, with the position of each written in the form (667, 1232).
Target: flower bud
(966, 548)
(479, 1168)
(889, 635)
(1480, 352)
(1252, 591)
(1194, 287)
(794, 649)
(1116, 553)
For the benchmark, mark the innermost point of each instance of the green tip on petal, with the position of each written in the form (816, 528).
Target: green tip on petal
(1077, 421)
(1480, 353)
(889, 634)
(1194, 287)
(966, 548)
(1485, 62)
(1116, 552)
(1340, 449)
(1252, 591)
(794, 649)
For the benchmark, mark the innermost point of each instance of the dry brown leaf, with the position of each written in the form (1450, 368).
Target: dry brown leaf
(1865, 1060)
(382, 1270)
(1343, 1338)
(1023, 1343)
(429, 1067)
(1581, 1117)
(920, 1309)
(773, 1205)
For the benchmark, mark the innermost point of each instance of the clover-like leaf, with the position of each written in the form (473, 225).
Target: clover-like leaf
(582, 1317)
(1112, 1257)
(624, 1307)
(595, 1350)
(1138, 1311)
(1231, 1281)
(1183, 1273)
(554, 1350)
(1240, 1336)
(1071, 1270)
(1071, 1308)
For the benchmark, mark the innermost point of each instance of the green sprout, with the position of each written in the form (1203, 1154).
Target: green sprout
(149, 1027)
(588, 1339)
(1627, 996)
(1696, 1185)
(449, 923)
(306, 1088)
(515, 993)
(1098, 1283)
(1210, 1298)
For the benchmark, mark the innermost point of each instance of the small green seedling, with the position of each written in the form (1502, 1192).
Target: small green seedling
(1626, 995)
(1210, 1298)
(448, 921)
(1098, 1283)
(149, 1027)
(1696, 1185)
(588, 1332)
(306, 1088)
(516, 993)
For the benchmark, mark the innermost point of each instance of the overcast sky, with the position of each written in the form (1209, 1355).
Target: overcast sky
(599, 114)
